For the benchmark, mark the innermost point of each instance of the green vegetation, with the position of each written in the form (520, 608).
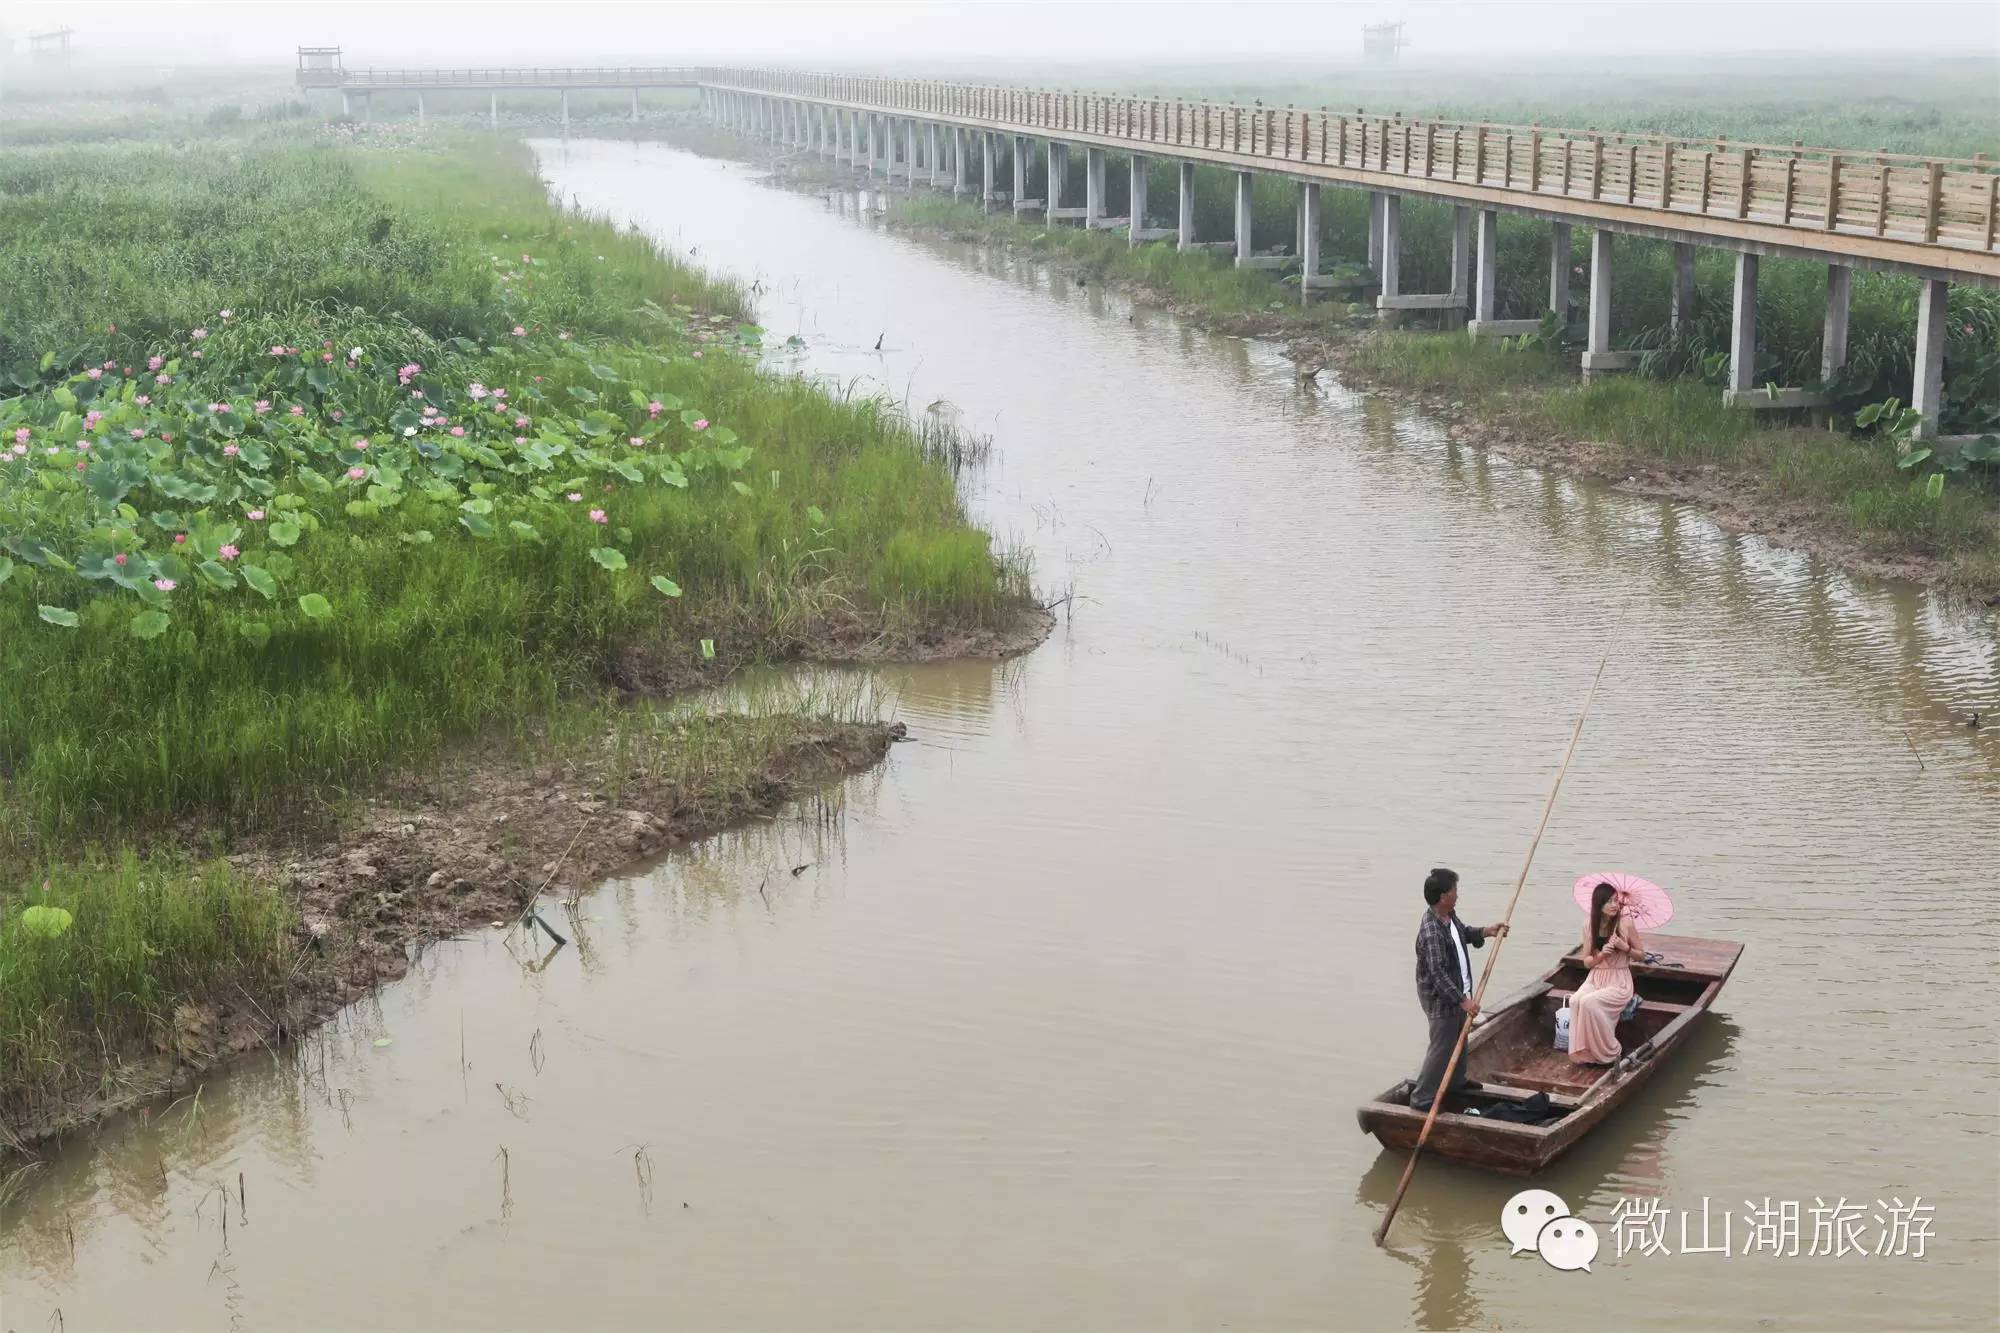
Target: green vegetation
(1199, 280)
(1855, 483)
(319, 462)
(1896, 102)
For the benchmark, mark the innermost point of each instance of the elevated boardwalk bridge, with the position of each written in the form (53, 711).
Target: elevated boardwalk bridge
(1936, 219)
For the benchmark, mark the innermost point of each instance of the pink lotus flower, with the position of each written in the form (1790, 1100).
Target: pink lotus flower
(362, 444)
(653, 408)
(520, 423)
(144, 400)
(699, 423)
(111, 364)
(337, 414)
(119, 559)
(520, 439)
(94, 373)
(230, 451)
(165, 585)
(574, 496)
(155, 362)
(167, 437)
(138, 433)
(21, 435)
(458, 431)
(228, 553)
(598, 516)
(636, 441)
(356, 473)
(520, 332)
(255, 516)
(180, 539)
(52, 451)
(278, 351)
(226, 313)
(262, 405)
(80, 463)
(697, 355)
(199, 334)
(475, 391)
(83, 446)
(297, 411)
(564, 335)
(221, 407)
(196, 354)
(499, 393)
(326, 357)
(165, 378)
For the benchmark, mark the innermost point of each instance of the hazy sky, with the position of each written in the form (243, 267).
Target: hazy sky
(961, 33)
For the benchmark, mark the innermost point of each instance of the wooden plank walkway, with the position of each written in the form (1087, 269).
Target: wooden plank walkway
(1938, 216)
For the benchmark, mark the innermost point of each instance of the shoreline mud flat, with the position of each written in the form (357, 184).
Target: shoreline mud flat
(478, 842)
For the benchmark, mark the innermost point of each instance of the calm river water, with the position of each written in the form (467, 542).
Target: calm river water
(1064, 1026)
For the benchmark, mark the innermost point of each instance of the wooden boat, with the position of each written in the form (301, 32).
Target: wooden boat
(1512, 1054)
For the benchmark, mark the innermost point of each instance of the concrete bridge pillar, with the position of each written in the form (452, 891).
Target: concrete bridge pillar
(1308, 240)
(1833, 339)
(346, 102)
(1390, 227)
(367, 108)
(1058, 176)
(958, 142)
(635, 106)
(910, 148)
(1559, 270)
(1184, 228)
(989, 143)
(1461, 266)
(1743, 326)
(1020, 153)
(1486, 274)
(934, 142)
(1598, 358)
(1244, 249)
(493, 110)
(1680, 310)
(420, 110)
(1136, 223)
(565, 108)
(1093, 188)
(1377, 202)
(1927, 394)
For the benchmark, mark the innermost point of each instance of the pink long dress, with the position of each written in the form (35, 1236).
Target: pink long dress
(1594, 1009)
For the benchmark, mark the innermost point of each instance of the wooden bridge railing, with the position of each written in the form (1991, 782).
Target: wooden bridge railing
(1952, 202)
(360, 80)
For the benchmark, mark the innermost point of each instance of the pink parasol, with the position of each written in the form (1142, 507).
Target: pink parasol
(1646, 903)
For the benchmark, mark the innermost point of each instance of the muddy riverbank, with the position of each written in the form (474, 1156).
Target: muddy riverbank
(496, 830)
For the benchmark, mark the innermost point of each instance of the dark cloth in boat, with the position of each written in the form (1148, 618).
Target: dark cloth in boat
(1535, 1110)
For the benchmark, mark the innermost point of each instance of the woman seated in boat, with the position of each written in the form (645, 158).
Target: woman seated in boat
(1610, 943)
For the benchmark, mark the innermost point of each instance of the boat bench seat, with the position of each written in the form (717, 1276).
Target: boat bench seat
(1645, 1006)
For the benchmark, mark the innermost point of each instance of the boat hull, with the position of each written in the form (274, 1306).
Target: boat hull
(1511, 1053)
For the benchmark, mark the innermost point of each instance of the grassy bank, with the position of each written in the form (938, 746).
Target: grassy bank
(1847, 488)
(321, 463)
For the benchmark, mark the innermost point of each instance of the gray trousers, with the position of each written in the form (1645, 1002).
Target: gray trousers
(1444, 1036)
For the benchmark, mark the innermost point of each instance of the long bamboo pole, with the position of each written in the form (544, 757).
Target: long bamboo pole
(1465, 1030)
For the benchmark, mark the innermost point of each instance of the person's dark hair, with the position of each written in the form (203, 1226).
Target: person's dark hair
(1439, 883)
(1602, 894)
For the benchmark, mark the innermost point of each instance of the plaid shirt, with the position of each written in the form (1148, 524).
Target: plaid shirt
(1440, 985)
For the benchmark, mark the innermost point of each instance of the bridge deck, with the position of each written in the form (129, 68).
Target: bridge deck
(1935, 215)
(439, 80)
